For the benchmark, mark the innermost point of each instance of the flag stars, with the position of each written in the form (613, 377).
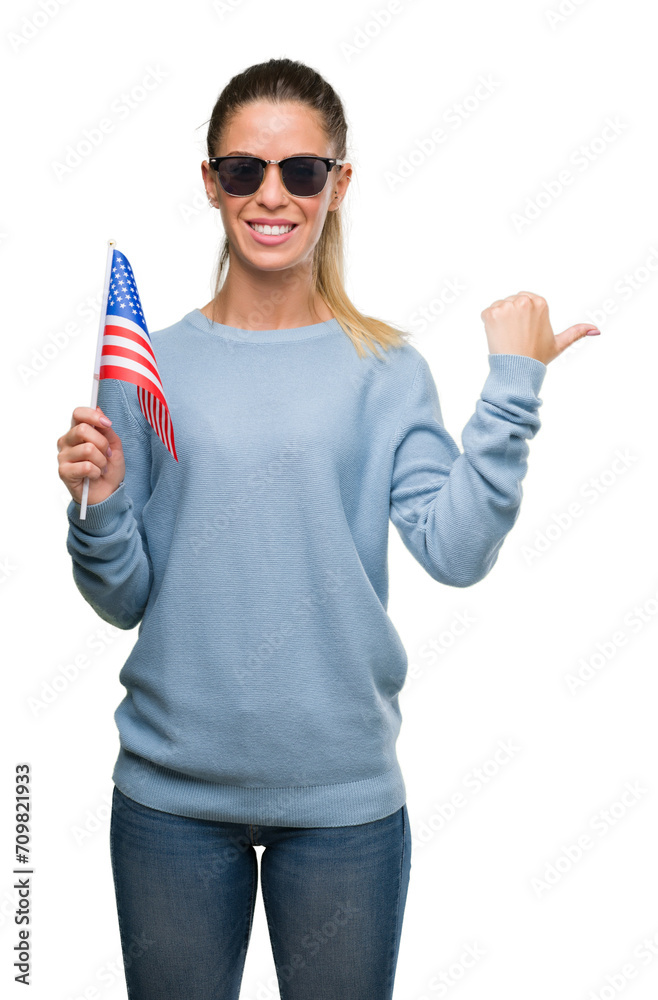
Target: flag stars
(123, 295)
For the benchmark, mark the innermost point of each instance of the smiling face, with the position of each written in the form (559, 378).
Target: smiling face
(274, 131)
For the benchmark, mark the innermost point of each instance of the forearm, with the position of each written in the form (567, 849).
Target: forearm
(111, 568)
(455, 510)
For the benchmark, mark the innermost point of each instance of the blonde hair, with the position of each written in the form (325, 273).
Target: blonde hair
(285, 80)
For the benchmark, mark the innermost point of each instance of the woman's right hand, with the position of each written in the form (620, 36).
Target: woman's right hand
(83, 451)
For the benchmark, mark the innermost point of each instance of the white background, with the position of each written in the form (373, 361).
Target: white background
(543, 611)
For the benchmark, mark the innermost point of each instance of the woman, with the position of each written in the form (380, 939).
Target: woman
(261, 702)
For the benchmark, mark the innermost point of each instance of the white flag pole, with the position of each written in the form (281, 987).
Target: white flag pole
(111, 244)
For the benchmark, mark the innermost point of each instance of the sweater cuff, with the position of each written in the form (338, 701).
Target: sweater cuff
(516, 373)
(99, 515)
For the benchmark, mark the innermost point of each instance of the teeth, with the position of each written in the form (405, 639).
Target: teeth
(271, 230)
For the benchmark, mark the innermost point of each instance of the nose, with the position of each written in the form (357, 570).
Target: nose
(272, 191)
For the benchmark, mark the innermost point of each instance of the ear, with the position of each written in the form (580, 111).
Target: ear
(209, 184)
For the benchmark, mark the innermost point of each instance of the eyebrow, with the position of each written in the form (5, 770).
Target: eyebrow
(244, 152)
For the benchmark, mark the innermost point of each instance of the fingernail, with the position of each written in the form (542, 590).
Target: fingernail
(105, 421)
(109, 452)
(103, 471)
(592, 333)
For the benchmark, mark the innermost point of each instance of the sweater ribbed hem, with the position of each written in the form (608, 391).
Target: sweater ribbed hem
(99, 515)
(343, 804)
(517, 373)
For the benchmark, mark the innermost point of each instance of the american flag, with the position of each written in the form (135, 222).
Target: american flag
(127, 352)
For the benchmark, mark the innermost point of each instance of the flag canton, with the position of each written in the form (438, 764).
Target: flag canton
(123, 297)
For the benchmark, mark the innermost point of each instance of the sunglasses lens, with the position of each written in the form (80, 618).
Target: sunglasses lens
(240, 175)
(303, 176)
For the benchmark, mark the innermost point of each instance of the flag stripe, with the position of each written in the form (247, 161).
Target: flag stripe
(120, 351)
(119, 361)
(126, 375)
(169, 434)
(149, 404)
(116, 335)
(114, 320)
(155, 410)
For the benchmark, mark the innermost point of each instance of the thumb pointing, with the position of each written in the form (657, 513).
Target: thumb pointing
(573, 333)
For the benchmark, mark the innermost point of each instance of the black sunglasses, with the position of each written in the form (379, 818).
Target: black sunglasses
(302, 176)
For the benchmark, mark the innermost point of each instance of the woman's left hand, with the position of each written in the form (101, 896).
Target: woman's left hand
(519, 324)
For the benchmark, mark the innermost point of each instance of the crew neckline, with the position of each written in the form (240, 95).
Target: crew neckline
(201, 322)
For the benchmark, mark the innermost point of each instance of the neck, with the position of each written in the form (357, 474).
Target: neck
(267, 300)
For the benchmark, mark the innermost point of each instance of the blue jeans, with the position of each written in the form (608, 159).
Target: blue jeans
(185, 888)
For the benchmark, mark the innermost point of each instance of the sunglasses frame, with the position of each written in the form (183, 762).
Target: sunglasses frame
(329, 161)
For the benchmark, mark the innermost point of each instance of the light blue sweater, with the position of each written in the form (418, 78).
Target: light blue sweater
(263, 685)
